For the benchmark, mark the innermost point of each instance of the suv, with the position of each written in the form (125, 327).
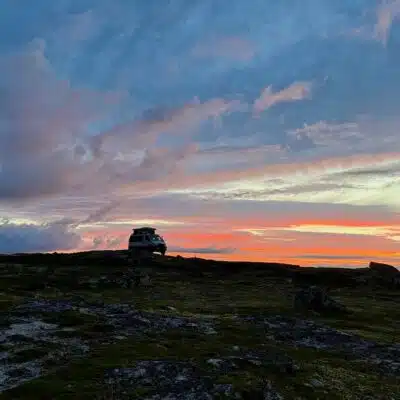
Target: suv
(146, 240)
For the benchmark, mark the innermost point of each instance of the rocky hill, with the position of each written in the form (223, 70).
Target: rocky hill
(72, 326)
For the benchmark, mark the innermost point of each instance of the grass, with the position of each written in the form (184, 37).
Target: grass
(373, 316)
(83, 379)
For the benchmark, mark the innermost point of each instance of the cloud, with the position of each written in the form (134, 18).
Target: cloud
(295, 92)
(154, 122)
(267, 231)
(311, 183)
(99, 214)
(42, 119)
(31, 238)
(326, 134)
(284, 229)
(202, 250)
(387, 12)
(373, 171)
(153, 166)
(186, 212)
(129, 153)
(45, 143)
(383, 15)
(97, 242)
(293, 190)
(106, 243)
(310, 165)
(333, 257)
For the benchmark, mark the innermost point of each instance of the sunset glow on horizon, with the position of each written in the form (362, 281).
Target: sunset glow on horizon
(241, 131)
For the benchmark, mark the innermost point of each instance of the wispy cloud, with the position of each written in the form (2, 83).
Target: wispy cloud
(328, 135)
(387, 12)
(202, 250)
(145, 131)
(294, 92)
(383, 15)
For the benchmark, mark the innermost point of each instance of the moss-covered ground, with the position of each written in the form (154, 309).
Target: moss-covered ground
(322, 374)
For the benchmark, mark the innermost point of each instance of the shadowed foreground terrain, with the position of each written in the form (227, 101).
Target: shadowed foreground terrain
(71, 327)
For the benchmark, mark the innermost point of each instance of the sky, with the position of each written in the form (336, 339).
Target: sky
(261, 131)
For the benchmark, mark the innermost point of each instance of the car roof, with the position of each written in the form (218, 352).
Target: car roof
(145, 228)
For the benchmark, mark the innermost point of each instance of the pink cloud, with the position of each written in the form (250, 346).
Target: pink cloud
(44, 142)
(295, 92)
(144, 132)
(387, 12)
(43, 118)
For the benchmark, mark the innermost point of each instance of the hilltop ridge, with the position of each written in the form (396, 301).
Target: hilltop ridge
(374, 273)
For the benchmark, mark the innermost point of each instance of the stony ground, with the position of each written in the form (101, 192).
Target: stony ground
(75, 332)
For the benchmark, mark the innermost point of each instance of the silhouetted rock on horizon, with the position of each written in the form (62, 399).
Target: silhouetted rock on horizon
(385, 274)
(383, 268)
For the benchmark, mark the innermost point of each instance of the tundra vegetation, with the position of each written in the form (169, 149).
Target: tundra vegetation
(73, 327)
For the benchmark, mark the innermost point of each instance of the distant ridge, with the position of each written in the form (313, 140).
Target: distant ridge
(201, 267)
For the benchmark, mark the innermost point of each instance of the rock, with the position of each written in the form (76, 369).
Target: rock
(167, 379)
(385, 274)
(265, 392)
(306, 333)
(224, 389)
(215, 362)
(383, 269)
(180, 380)
(316, 299)
(269, 393)
(316, 383)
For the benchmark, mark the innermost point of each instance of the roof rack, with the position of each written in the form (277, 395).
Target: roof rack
(144, 229)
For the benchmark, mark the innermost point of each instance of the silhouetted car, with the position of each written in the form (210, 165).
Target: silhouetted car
(145, 240)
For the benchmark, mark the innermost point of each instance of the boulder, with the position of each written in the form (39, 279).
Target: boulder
(316, 299)
(385, 274)
(383, 269)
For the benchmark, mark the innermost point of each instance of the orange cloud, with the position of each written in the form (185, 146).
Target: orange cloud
(236, 238)
(301, 248)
